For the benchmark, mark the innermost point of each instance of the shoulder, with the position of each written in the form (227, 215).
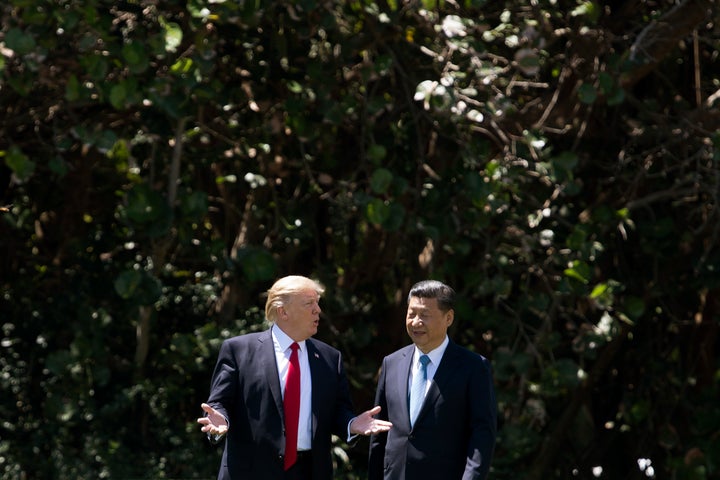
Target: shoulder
(247, 340)
(321, 347)
(401, 353)
(466, 356)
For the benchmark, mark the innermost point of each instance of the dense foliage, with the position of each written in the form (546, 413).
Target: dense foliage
(556, 161)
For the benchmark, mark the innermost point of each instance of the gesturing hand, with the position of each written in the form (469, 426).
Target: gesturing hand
(213, 423)
(365, 424)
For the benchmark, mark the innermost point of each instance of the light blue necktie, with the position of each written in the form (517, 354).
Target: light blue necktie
(417, 389)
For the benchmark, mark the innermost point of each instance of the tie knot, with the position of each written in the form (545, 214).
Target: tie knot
(294, 346)
(424, 360)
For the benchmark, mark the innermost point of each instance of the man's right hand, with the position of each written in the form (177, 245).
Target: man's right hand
(213, 423)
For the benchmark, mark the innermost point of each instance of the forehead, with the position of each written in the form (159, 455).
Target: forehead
(422, 303)
(308, 295)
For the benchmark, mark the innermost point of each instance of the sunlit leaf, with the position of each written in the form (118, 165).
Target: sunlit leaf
(173, 35)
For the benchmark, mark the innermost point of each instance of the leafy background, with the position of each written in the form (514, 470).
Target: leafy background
(556, 161)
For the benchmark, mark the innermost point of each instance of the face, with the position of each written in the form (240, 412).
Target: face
(426, 324)
(300, 316)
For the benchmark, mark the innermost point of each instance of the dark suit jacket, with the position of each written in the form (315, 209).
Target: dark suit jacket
(246, 389)
(454, 433)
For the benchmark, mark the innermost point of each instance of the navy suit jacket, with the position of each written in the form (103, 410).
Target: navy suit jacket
(245, 388)
(454, 433)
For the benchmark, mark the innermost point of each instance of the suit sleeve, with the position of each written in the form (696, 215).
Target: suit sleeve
(224, 379)
(377, 442)
(484, 423)
(344, 405)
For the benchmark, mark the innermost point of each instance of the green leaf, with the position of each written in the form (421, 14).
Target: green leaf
(395, 218)
(59, 361)
(634, 307)
(587, 93)
(565, 161)
(138, 287)
(150, 290)
(135, 56)
(194, 205)
(58, 166)
(182, 65)
(607, 82)
(96, 66)
(72, 89)
(173, 35)
(616, 96)
(147, 210)
(377, 211)
(381, 180)
(579, 271)
(294, 86)
(19, 163)
(559, 378)
(127, 283)
(20, 42)
(120, 152)
(598, 290)
(376, 153)
(587, 9)
(256, 264)
(118, 96)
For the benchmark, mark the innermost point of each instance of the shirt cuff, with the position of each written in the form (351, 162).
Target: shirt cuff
(350, 436)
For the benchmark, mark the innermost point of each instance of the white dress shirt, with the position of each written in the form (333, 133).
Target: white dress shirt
(435, 357)
(282, 356)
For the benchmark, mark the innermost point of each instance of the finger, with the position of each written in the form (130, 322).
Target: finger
(207, 408)
(375, 410)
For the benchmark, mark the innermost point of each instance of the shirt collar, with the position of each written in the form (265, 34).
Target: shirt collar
(435, 355)
(283, 340)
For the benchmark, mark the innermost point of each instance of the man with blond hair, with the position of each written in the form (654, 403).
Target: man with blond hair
(277, 396)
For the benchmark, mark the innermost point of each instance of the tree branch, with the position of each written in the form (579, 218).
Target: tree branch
(658, 39)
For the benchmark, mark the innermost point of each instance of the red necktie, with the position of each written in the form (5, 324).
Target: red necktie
(291, 404)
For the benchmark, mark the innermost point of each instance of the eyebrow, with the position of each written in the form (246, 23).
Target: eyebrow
(418, 309)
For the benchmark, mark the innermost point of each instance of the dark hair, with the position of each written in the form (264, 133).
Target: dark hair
(434, 289)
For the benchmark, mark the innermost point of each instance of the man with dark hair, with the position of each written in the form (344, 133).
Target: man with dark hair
(439, 397)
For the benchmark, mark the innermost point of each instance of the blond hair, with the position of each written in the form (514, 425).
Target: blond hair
(284, 288)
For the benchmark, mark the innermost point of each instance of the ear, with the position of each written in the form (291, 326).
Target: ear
(450, 316)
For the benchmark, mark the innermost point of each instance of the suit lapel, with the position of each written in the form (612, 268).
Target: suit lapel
(267, 353)
(401, 379)
(448, 364)
(313, 359)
